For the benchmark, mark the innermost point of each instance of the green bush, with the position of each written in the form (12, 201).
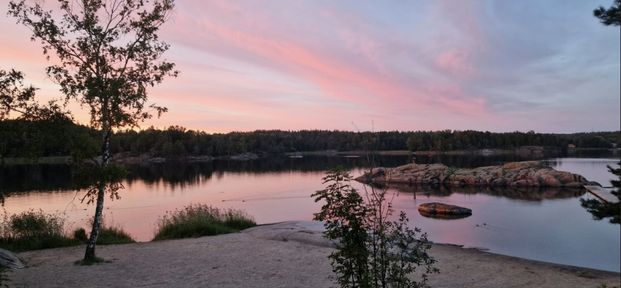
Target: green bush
(32, 230)
(80, 235)
(374, 251)
(113, 235)
(107, 236)
(201, 220)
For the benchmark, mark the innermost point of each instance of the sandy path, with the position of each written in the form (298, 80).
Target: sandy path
(290, 254)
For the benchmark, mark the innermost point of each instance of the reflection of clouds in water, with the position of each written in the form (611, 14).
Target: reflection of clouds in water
(547, 225)
(593, 169)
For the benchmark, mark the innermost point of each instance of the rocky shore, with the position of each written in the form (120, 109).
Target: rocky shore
(513, 174)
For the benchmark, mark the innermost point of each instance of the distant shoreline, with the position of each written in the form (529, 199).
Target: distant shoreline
(527, 151)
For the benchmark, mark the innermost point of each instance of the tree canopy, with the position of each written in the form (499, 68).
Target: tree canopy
(106, 56)
(610, 16)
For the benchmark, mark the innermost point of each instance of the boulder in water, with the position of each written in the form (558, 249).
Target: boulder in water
(444, 211)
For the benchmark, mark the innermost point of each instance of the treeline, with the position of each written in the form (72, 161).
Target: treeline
(177, 141)
(56, 137)
(463, 140)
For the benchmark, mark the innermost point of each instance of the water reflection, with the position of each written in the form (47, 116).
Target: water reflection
(522, 193)
(548, 225)
(21, 178)
(24, 178)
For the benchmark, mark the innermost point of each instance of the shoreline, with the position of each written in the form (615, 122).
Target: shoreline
(527, 151)
(286, 254)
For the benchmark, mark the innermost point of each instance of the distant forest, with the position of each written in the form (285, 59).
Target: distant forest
(62, 137)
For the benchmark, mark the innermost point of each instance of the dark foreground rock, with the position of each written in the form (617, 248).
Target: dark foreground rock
(9, 260)
(444, 211)
(514, 174)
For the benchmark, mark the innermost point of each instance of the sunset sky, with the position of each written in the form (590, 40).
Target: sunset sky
(548, 66)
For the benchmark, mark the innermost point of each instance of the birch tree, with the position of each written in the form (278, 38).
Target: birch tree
(104, 54)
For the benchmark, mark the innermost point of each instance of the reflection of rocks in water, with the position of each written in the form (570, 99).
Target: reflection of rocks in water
(443, 211)
(23, 178)
(443, 216)
(521, 193)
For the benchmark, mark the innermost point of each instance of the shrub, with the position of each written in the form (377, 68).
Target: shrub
(113, 235)
(201, 220)
(374, 251)
(80, 235)
(107, 236)
(32, 230)
(32, 223)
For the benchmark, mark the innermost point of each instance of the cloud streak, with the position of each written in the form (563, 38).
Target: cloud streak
(497, 66)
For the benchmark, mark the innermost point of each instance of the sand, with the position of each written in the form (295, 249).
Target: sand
(289, 254)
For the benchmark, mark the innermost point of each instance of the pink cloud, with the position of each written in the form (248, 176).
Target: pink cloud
(348, 69)
(337, 78)
(455, 63)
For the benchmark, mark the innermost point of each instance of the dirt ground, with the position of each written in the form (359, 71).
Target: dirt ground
(289, 254)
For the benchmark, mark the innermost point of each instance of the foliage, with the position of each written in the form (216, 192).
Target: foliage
(107, 236)
(201, 220)
(18, 99)
(33, 230)
(179, 142)
(107, 177)
(106, 57)
(601, 210)
(610, 16)
(464, 140)
(106, 54)
(374, 250)
(44, 138)
(345, 218)
(14, 96)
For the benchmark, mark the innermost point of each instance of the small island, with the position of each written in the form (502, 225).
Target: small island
(513, 174)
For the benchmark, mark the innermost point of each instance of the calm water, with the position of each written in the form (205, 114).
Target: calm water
(548, 225)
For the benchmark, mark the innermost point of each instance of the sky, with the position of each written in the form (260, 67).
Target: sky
(547, 66)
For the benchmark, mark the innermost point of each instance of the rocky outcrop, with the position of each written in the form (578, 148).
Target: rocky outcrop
(441, 210)
(513, 174)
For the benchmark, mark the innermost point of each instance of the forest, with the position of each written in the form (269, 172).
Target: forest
(60, 136)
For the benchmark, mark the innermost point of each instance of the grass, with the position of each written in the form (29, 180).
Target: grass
(201, 220)
(108, 235)
(34, 230)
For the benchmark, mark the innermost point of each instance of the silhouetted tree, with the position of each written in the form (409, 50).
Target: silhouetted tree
(107, 55)
(610, 16)
(19, 99)
(14, 95)
(601, 210)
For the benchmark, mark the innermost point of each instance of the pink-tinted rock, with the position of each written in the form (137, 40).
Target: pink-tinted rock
(515, 174)
(440, 209)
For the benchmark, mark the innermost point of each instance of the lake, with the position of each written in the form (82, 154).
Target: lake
(547, 225)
